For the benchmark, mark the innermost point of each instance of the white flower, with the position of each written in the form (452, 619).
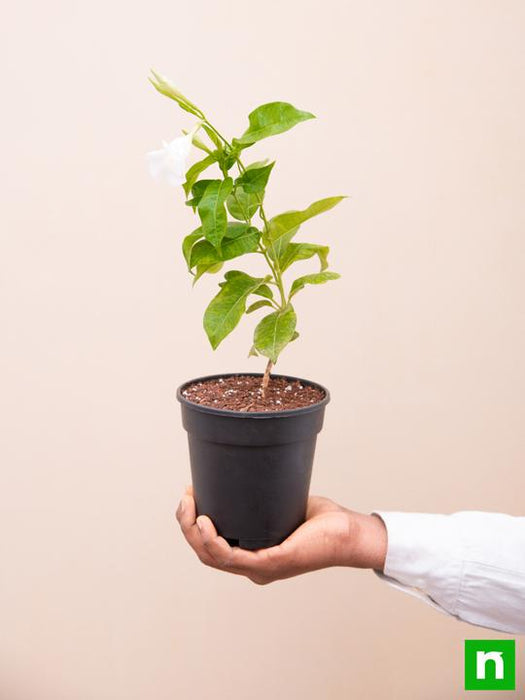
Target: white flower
(169, 164)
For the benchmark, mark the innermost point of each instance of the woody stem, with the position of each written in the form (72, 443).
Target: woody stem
(266, 377)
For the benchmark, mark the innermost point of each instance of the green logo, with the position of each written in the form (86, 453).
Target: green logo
(490, 664)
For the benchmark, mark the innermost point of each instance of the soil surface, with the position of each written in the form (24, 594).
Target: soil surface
(244, 393)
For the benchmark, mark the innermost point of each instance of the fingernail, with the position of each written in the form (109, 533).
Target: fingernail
(180, 509)
(199, 525)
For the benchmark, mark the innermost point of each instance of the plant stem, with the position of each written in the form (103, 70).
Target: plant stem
(274, 266)
(217, 133)
(277, 276)
(276, 272)
(266, 377)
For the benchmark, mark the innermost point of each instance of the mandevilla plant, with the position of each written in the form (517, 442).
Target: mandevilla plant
(226, 207)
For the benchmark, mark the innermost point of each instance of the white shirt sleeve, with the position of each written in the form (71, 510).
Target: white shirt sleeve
(469, 564)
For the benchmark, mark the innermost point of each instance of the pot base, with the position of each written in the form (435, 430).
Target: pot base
(253, 545)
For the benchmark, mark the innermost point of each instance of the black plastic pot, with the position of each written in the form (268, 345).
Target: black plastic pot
(251, 471)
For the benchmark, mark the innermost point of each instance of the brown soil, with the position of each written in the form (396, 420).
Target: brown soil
(243, 393)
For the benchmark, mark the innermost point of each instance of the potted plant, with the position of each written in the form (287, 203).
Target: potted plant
(251, 436)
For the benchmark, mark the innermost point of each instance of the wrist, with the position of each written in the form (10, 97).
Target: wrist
(365, 543)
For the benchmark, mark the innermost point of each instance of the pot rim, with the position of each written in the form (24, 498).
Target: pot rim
(285, 413)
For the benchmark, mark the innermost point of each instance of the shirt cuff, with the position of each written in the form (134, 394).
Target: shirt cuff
(424, 558)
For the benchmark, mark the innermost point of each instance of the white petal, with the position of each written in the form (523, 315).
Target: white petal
(169, 163)
(174, 180)
(179, 150)
(156, 160)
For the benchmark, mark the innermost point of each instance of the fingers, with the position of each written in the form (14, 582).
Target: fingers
(186, 514)
(215, 546)
(201, 535)
(255, 565)
(213, 550)
(261, 566)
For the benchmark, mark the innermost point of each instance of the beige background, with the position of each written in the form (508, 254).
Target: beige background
(421, 109)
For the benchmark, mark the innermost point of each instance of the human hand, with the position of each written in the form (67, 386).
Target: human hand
(330, 536)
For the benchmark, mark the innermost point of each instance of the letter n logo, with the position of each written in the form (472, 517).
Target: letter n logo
(490, 664)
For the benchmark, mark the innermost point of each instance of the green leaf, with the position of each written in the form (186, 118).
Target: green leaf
(257, 164)
(255, 179)
(247, 242)
(162, 85)
(258, 305)
(229, 276)
(274, 332)
(242, 205)
(303, 251)
(234, 229)
(195, 170)
(211, 269)
(230, 156)
(282, 237)
(197, 191)
(203, 254)
(212, 211)
(264, 291)
(294, 336)
(271, 119)
(283, 227)
(189, 242)
(253, 352)
(316, 278)
(226, 309)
